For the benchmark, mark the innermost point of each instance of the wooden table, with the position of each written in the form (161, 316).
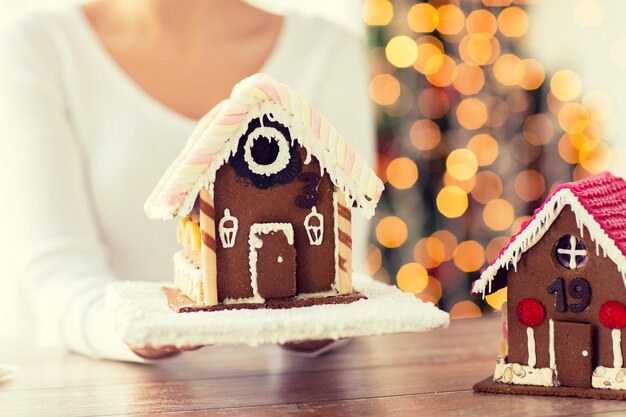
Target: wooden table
(427, 374)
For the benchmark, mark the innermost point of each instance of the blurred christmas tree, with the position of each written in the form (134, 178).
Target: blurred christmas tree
(472, 136)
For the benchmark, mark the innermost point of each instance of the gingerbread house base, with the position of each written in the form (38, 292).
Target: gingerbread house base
(488, 385)
(180, 303)
(143, 317)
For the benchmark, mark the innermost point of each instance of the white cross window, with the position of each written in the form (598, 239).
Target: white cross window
(571, 252)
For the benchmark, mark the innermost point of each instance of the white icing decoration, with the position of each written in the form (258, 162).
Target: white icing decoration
(228, 234)
(618, 360)
(609, 378)
(256, 243)
(518, 374)
(572, 252)
(279, 260)
(532, 356)
(313, 231)
(282, 159)
(188, 278)
(551, 349)
(585, 353)
(538, 226)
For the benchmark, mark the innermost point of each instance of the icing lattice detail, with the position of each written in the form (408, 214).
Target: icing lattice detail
(228, 227)
(314, 225)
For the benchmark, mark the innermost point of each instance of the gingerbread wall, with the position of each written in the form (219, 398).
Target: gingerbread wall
(537, 269)
(315, 270)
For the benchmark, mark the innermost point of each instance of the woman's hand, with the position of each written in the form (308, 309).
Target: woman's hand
(161, 352)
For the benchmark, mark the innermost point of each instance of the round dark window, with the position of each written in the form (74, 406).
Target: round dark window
(571, 252)
(264, 151)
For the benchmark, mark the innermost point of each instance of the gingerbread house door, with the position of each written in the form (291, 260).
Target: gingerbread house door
(273, 259)
(572, 346)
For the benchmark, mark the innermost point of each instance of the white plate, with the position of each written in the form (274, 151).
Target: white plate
(142, 317)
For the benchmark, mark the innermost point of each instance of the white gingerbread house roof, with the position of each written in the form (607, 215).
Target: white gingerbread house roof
(216, 138)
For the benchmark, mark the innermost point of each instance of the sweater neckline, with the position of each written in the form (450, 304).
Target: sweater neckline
(114, 69)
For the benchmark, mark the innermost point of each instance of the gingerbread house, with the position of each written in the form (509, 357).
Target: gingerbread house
(264, 189)
(565, 274)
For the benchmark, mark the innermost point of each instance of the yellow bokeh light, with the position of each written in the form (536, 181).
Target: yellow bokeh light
(498, 214)
(497, 3)
(495, 245)
(481, 21)
(469, 256)
(451, 19)
(432, 292)
(424, 134)
(464, 310)
(573, 117)
(384, 89)
(497, 299)
(479, 49)
(436, 249)
(488, 187)
(529, 185)
(433, 103)
(446, 72)
(429, 55)
(595, 156)
(412, 278)
(462, 164)
(391, 232)
(377, 12)
(445, 238)
(471, 113)
(402, 173)
(469, 80)
(588, 13)
(465, 185)
(507, 71)
(533, 74)
(513, 22)
(401, 51)
(538, 129)
(565, 85)
(567, 151)
(452, 201)
(485, 147)
(422, 255)
(423, 17)
(374, 259)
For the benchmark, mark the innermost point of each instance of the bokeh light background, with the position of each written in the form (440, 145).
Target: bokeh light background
(474, 130)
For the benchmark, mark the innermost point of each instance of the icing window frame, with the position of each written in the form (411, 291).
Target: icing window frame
(282, 170)
(570, 252)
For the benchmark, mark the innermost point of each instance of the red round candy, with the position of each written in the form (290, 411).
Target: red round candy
(612, 314)
(530, 312)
